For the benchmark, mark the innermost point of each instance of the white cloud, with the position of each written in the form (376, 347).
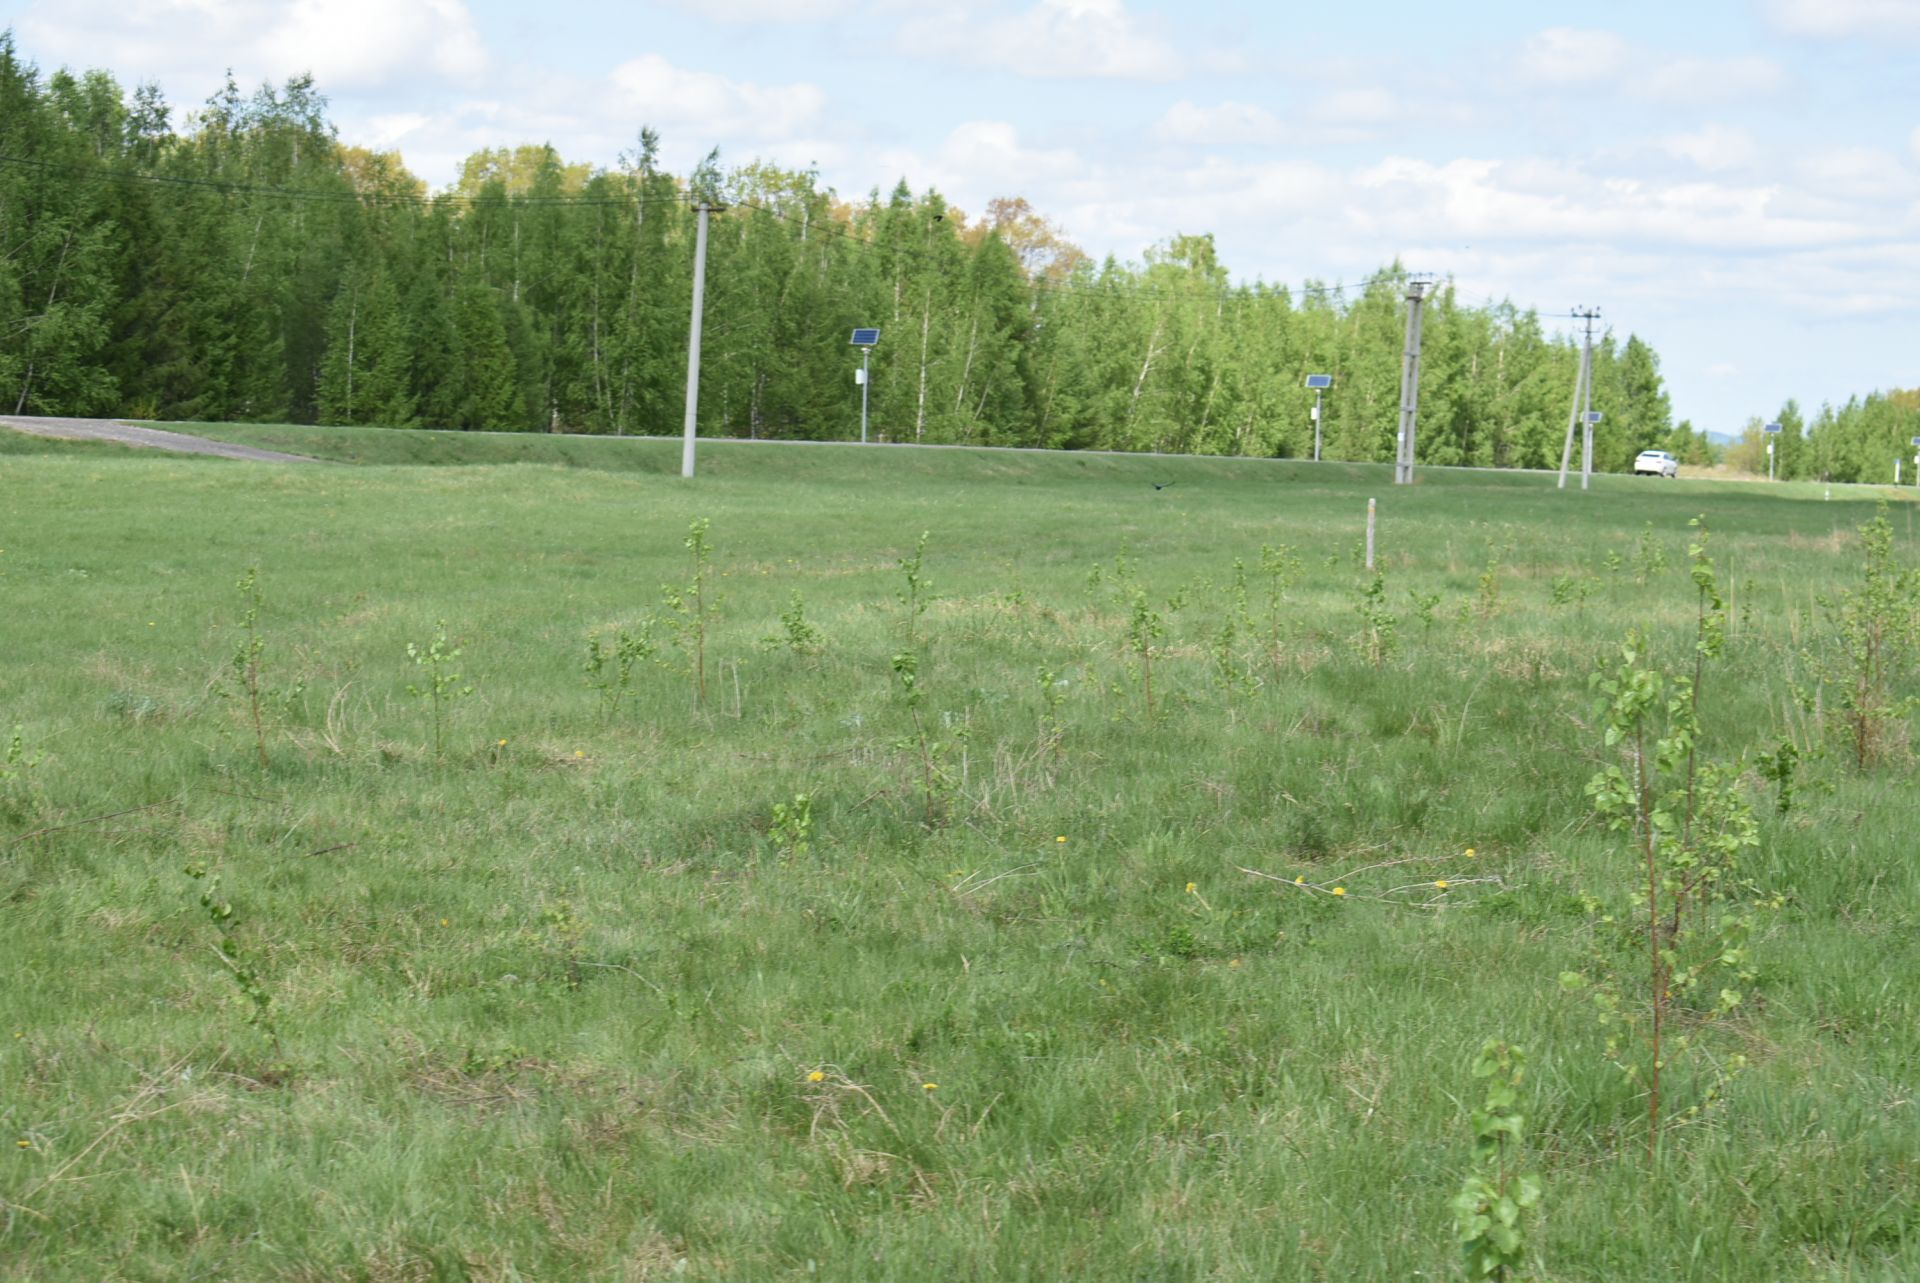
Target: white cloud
(1226, 124)
(1840, 19)
(386, 132)
(346, 44)
(1546, 231)
(1712, 147)
(993, 148)
(768, 12)
(654, 90)
(982, 159)
(1575, 58)
(1856, 173)
(1470, 199)
(1356, 107)
(1342, 117)
(594, 119)
(1692, 80)
(1913, 142)
(1055, 39)
(364, 43)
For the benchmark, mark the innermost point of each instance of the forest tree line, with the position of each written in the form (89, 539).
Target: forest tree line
(1858, 441)
(242, 263)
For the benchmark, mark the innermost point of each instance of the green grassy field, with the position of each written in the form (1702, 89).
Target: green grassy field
(570, 1000)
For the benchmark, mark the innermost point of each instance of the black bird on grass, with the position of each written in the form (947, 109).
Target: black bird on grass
(1162, 485)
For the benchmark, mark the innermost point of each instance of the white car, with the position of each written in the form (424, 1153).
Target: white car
(1655, 463)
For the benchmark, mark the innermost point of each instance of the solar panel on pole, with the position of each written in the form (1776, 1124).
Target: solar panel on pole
(865, 339)
(1319, 383)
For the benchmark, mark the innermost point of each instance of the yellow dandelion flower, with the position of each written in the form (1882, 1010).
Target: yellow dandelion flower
(816, 1077)
(1234, 965)
(578, 753)
(929, 1086)
(1470, 853)
(443, 922)
(24, 1144)
(1061, 838)
(1339, 890)
(1299, 882)
(1440, 883)
(503, 743)
(1191, 888)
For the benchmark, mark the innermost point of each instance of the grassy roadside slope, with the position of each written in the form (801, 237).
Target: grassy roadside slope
(550, 1008)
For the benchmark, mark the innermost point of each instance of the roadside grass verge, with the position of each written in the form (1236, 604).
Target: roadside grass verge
(553, 1007)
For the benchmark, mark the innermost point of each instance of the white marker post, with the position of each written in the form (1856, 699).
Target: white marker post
(1773, 430)
(1592, 419)
(1369, 534)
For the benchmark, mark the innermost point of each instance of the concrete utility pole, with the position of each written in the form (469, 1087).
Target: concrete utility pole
(1580, 391)
(693, 339)
(1586, 414)
(1410, 384)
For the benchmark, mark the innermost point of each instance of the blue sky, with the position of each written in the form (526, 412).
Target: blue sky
(1738, 181)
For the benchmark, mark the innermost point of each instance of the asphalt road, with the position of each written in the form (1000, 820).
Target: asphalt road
(150, 438)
